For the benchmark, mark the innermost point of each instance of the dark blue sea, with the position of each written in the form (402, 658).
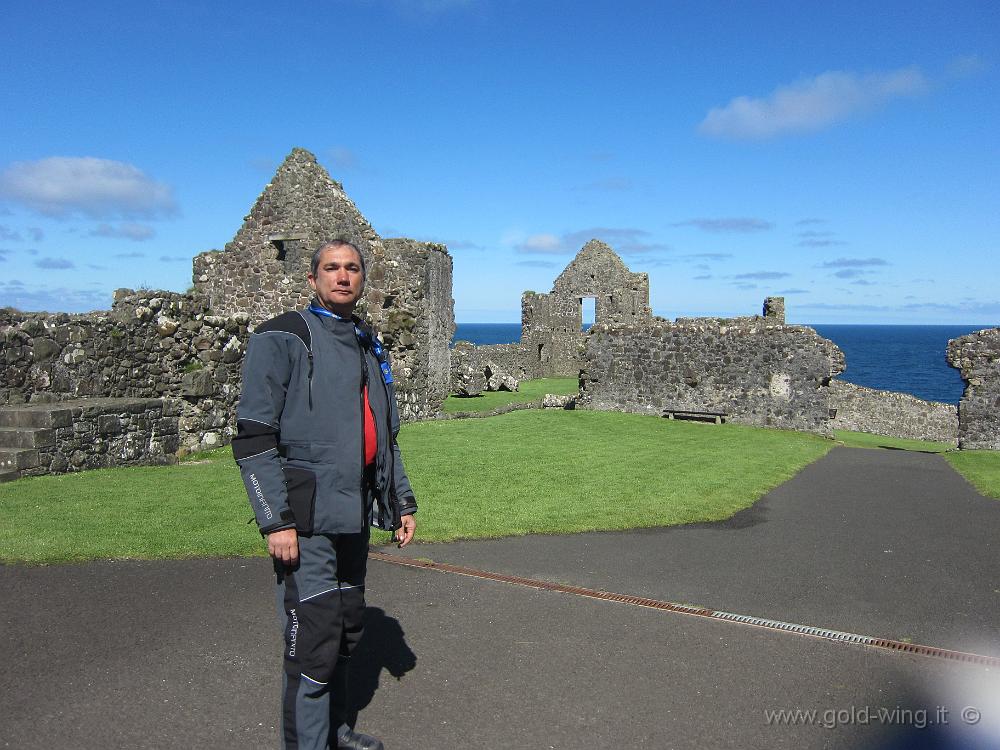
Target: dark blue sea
(908, 359)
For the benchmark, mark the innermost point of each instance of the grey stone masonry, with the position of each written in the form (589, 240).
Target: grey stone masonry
(419, 322)
(751, 370)
(977, 356)
(151, 344)
(892, 414)
(551, 324)
(470, 362)
(262, 272)
(187, 349)
(73, 435)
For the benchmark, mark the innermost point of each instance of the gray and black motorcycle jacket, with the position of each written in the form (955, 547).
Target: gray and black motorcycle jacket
(300, 427)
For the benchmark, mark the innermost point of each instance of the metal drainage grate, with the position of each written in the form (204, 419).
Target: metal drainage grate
(639, 601)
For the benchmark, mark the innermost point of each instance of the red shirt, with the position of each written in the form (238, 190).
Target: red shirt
(370, 438)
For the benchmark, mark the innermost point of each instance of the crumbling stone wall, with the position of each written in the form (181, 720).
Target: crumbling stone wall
(754, 370)
(892, 414)
(262, 273)
(418, 324)
(977, 356)
(151, 344)
(551, 324)
(93, 433)
(188, 348)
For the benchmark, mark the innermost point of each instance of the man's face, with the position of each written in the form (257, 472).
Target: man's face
(338, 280)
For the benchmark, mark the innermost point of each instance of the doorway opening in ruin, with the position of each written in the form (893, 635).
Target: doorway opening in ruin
(588, 312)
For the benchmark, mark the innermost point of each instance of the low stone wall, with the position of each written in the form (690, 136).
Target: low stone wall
(94, 433)
(977, 356)
(754, 370)
(892, 414)
(151, 344)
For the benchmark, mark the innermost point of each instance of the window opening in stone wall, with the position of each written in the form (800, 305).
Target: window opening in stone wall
(588, 312)
(280, 245)
(541, 352)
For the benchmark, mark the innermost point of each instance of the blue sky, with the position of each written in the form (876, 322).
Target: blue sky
(844, 155)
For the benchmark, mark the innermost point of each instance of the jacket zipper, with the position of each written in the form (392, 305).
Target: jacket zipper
(364, 466)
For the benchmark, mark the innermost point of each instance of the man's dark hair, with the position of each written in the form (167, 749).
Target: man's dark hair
(335, 243)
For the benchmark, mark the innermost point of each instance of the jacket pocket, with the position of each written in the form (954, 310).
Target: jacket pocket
(300, 485)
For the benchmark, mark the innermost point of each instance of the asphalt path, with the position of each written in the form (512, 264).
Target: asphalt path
(886, 543)
(176, 654)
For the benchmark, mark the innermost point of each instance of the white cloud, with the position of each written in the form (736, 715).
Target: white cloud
(343, 158)
(820, 243)
(855, 263)
(127, 231)
(100, 188)
(810, 104)
(729, 224)
(624, 240)
(52, 299)
(542, 243)
(57, 264)
(762, 275)
(967, 65)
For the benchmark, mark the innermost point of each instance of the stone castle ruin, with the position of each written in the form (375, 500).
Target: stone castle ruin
(158, 373)
(754, 370)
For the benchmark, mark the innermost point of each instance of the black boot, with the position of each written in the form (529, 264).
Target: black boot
(348, 739)
(340, 713)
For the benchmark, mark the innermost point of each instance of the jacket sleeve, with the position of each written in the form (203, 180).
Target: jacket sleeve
(404, 493)
(266, 373)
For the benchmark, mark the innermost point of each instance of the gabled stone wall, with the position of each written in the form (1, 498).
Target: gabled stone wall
(551, 324)
(977, 356)
(187, 349)
(262, 273)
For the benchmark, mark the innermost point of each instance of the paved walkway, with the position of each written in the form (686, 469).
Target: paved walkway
(184, 654)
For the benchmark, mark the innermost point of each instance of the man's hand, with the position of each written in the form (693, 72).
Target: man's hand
(405, 532)
(284, 545)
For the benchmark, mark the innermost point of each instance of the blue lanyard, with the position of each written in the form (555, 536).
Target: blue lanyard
(364, 338)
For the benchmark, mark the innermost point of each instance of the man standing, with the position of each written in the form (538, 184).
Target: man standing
(316, 447)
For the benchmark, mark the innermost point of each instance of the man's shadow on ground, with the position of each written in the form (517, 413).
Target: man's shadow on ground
(383, 646)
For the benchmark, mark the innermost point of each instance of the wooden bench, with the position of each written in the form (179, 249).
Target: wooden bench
(696, 416)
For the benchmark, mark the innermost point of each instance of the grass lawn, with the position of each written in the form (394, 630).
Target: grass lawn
(523, 472)
(528, 390)
(981, 468)
(867, 440)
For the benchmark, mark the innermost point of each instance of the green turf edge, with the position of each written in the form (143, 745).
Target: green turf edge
(199, 509)
(981, 468)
